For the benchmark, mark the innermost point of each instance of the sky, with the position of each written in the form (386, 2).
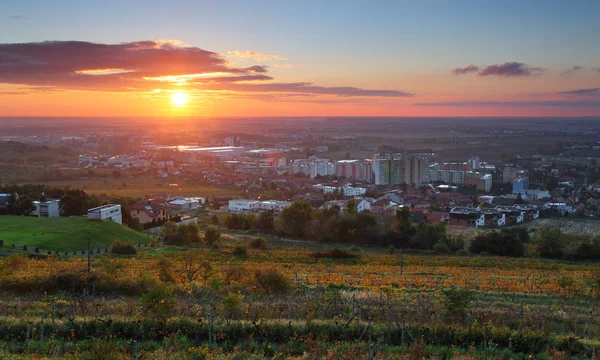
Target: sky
(299, 58)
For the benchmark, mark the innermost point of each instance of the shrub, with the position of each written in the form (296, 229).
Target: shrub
(391, 250)
(463, 252)
(457, 301)
(240, 250)
(272, 282)
(501, 243)
(334, 254)
(157, 302)
(257, 243)
(123, 248)
(232, 304)
(211, 235)
(441, 248)
(548, 242)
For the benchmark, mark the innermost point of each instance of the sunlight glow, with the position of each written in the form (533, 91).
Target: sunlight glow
(179, 98)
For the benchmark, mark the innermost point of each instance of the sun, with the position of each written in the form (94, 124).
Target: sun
(179, 98)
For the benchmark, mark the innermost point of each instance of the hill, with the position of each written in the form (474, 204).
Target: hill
(64, 233)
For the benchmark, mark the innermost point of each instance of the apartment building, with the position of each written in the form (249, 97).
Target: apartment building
(359, 170)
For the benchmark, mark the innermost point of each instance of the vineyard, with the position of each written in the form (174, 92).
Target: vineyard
(569, 225)
(293, 302)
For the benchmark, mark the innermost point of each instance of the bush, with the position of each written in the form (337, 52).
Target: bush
(457, 301)
(157, 302)
(211, 235)
(272, 282)
(334, 254)
(257, 243)
(391, 250)
(232, 304)
(441, 248)
(240, 250)
(463, 252)
(548, 242)
(501, 243)
(123, 248)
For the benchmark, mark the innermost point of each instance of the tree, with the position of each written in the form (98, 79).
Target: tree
(351, 207)
(501, 243)
(266, 221)
(23, 205)
(296, 218)
(214, 219)
(211, 235)
(190, 232)
(74, 203)
(405, 224)
(548, 242)
(194, 264)
(428, 235)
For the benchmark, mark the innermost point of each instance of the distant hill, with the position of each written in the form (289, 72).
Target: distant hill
(64, 233)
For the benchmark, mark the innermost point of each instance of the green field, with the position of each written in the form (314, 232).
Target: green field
(64, 233)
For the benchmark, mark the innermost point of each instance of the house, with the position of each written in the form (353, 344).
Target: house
(361, 204)
(185, 204)
(436, 217)
(392, 196)
(493, 217)
(109, 212)
(560, 207)
(315, 199)
(46, 207)
(513, 215)
(150, 210)
(466, 217)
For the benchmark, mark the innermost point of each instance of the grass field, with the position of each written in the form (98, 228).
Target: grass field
(136, 187)
(64, 233)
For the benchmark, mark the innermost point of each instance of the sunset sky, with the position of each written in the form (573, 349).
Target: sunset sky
(299, 58)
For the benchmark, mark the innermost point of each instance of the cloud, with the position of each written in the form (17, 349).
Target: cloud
(17, 17)
(547, 103)
(147, 65)
(253, 55)
(465, 70)
(573, 69)
(284, 66)
(309, 88)
(509, 69)
(581, 92)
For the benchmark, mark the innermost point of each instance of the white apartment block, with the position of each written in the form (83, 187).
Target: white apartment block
(321, 167)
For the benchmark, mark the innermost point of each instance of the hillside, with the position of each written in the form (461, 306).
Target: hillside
(65, 233)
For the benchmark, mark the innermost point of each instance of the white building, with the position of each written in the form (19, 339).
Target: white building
(274, 205)
(240, 205)
(388, 169)
(188, 203)
(353, 191)
(109, 212)
(46, 208)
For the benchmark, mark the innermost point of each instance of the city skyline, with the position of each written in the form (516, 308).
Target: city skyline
(301, 59)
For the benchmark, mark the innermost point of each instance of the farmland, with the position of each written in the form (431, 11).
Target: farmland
(569, 225)
(64, 233)
(284, 302)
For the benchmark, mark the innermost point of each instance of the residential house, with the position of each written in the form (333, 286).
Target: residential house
(150, 210)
